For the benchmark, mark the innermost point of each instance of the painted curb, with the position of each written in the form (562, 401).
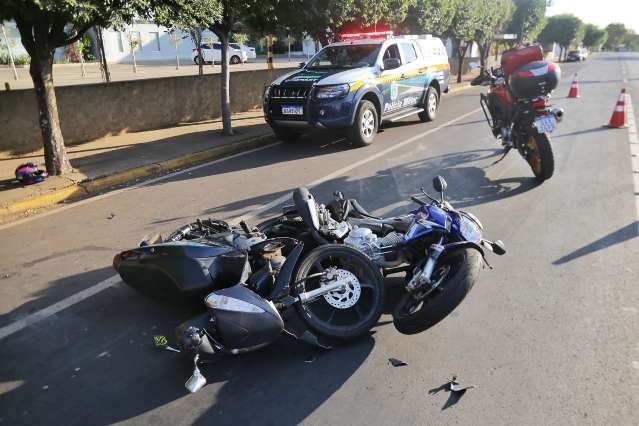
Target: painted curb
(93, 186)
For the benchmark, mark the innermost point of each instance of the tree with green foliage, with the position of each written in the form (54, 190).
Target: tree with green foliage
(495, 15)
(566, 30)
(390, 12)
(45, 25)
(631, 40)
(528, 19)
(430, 17)
(594, 36)
(468, 14)
(616, 34)
(318, 18)
(190, 16)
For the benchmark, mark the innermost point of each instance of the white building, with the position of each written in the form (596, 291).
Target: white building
(151, 43)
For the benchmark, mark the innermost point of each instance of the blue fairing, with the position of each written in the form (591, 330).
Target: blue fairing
(431, 218)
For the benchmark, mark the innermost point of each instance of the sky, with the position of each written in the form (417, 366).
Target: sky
(600, 12)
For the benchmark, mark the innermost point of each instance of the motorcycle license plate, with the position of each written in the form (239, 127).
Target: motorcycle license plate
(546, 124)
(292, 110)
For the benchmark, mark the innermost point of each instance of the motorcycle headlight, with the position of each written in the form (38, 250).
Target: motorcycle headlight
(334, 91)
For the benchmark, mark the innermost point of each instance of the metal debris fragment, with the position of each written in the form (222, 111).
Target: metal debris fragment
(396, 362)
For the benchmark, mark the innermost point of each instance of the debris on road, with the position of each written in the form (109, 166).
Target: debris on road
(456, 391)
(396, 362)
(111, 216)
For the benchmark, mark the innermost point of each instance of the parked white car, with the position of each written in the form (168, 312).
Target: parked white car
(236, 56)
(247, 50)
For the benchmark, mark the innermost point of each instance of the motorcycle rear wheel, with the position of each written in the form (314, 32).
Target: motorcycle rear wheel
(326, 319)
(540, 156)
(414, 315)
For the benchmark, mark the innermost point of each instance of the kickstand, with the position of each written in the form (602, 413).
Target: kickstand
(506, 151)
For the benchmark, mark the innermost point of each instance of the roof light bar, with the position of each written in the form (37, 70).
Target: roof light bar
(367, 35)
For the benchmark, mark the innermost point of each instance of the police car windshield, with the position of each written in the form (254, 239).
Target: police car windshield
(346, 56)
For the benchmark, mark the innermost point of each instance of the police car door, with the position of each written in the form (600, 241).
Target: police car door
(413, 82)
(389, 82)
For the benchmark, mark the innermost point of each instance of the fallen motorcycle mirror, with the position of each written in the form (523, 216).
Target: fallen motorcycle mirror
(440, 185)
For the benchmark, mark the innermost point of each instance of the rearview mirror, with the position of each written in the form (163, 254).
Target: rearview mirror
(473, 65)
(392, 63)
(439, 183)
(306, 207)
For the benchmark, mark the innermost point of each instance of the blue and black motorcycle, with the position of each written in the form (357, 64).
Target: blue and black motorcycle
(440, 249)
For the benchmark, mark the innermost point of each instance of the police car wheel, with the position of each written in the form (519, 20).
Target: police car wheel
(364, 128)
(430, 105)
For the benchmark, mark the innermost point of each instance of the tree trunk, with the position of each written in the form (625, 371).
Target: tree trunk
(461, 54)
(224, 85)
(103, 63)
(55, 155)
(196, 36)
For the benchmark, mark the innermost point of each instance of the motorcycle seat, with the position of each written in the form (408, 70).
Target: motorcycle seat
(399, 224)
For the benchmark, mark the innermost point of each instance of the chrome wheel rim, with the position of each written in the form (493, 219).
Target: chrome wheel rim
(432, 103)
(368, 123)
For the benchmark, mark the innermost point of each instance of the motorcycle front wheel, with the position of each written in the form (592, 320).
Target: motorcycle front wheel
(540, 156)
(455, 276)
(340, 314)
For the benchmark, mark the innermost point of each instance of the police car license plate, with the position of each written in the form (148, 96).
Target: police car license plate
(292, 110)
(546, 124)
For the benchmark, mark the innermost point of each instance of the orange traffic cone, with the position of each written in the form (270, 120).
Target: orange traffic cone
(574, 88)
(618, 119)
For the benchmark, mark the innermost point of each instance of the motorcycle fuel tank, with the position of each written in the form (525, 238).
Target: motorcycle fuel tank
(243, 320)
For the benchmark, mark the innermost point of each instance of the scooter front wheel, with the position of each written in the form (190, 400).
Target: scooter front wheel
(344, 313)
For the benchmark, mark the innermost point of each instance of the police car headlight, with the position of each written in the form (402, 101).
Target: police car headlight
(335, 91)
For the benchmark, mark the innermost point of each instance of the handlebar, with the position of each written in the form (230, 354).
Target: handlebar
(417, 200)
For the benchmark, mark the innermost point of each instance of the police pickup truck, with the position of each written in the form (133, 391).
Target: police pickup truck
(358, 83)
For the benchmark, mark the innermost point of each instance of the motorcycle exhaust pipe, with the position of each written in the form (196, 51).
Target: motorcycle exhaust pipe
(558, 113)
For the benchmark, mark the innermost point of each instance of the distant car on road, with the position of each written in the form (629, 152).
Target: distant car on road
(236, 56)
(249, 52)
(577, 55)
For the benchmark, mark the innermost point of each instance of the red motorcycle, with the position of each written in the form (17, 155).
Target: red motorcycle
(517, 105)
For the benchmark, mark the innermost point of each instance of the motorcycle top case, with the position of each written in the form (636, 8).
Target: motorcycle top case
(520, 56)
(535, 79)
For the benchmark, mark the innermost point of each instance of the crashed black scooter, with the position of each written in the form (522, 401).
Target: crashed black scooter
(253, 287)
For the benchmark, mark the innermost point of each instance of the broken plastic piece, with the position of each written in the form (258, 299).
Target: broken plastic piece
(396, 362)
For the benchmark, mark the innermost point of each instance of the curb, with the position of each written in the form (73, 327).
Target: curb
(91, 187)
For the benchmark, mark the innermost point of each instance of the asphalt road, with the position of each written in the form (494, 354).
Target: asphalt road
(549, 336)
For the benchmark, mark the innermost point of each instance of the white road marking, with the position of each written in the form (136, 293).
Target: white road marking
(57, 307)
(634, 151)
(111, 281)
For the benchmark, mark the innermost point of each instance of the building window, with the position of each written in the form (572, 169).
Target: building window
(120, 44)
(156, 41)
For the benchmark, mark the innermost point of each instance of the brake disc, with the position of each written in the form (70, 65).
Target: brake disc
(347, 297)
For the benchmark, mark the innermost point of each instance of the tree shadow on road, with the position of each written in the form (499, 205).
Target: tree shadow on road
(619, 236)
(388, 190)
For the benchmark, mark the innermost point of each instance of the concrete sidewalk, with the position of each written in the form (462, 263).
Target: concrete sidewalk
(115, 160)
